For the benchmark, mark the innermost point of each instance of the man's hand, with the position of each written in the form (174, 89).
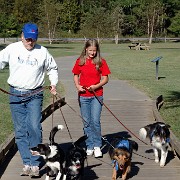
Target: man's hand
(53, 90)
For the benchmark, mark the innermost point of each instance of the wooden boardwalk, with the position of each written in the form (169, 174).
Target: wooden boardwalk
(130, 113)
(132, 107)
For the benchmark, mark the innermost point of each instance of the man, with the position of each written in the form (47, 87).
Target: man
(28, 62)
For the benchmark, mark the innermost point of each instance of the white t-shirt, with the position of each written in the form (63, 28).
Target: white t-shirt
(27, 68)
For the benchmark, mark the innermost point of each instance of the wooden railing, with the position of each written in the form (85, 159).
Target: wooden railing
(174, 142)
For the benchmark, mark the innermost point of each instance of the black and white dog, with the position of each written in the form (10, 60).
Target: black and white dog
(53, 155)
(159, 136)
(75, 157)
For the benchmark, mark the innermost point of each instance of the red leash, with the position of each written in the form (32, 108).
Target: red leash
(115, 116)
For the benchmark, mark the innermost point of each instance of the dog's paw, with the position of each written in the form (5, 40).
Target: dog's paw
(162, 165)
(123, 177)
(156, 160)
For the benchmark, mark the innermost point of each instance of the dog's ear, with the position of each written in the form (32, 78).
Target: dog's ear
(135, 145)
(115, 158)
(114, 153)
(167, 125)
(148, 127)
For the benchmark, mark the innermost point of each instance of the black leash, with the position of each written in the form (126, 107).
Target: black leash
(58, 95)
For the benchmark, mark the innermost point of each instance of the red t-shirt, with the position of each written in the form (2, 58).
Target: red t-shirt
(90, 76)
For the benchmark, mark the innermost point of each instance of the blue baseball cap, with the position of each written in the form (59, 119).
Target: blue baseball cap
(30, 30)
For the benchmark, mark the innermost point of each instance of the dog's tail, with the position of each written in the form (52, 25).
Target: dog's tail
(54, 131)
(143, 133)
(80, 140)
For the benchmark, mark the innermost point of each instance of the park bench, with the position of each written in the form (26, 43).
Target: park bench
(144, 47)
(134, 45)
(139, 46)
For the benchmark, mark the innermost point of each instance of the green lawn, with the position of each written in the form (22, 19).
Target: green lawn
(125, 64)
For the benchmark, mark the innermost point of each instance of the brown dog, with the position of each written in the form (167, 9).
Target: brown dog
(120, 153)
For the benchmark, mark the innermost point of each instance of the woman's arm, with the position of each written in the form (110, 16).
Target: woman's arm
(103, 81)
(76, 82)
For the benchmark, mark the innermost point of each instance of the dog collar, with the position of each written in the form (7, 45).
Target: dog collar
(116, 164)
(168, 140)
(152, 134)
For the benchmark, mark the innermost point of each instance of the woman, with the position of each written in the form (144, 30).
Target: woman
(90, 75)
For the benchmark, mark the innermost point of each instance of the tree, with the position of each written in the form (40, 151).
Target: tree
(70, 16)
(49, 10)
(118, 19)
(97, 23)
(9, 26)
(26, 11)
(175, 25)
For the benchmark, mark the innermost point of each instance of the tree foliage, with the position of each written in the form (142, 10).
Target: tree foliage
(49, 18)
(92, 18)
(70, 16)
(175, 25)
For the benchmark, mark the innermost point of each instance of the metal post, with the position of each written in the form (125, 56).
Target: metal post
(157, 66)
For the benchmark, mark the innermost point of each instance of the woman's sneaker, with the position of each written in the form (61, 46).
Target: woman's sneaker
(97, 152)
(89, 152)
(34, 171)
(26, 171)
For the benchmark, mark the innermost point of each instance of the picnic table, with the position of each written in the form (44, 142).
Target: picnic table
(139, 46)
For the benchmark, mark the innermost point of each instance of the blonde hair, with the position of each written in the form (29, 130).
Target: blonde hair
(97, 60)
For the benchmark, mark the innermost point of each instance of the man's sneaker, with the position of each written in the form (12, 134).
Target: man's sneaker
(34, 171)
(89, 152)
(97, 152)
(26, 171)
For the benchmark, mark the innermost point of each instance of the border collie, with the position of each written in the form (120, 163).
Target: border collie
(75, 157)
(120, 153)
(52, 154)
(159, 136)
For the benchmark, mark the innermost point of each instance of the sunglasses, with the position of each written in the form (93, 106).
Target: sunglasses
(30, 40)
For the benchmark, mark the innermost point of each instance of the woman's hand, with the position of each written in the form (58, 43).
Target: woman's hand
(92, 88)
(80, 88)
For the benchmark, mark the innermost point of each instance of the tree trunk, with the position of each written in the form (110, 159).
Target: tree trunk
(116, 38)
(152, 27)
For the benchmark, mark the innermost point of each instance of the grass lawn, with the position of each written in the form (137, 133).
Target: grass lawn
(125, 64)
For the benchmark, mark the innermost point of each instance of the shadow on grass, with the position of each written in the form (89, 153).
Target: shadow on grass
(55, 47)
(174, 98)
(2, 46)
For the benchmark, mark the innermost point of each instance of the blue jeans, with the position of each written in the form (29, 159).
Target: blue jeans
(91, 109)
(26, 116)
